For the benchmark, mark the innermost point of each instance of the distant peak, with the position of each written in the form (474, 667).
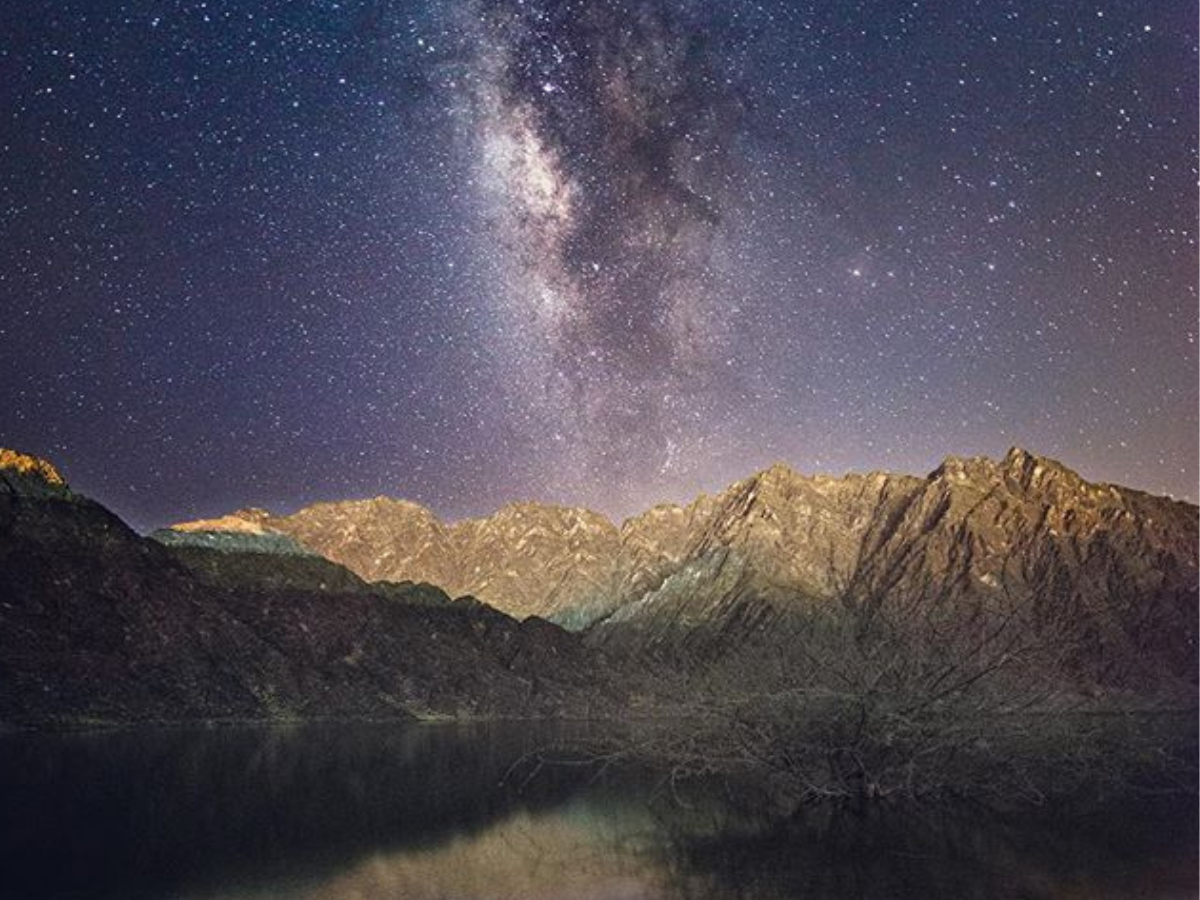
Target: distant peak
(382, 502)
(1018, 459)
(31, 467)
(237, 522)
(1018, 456)
(1018, 465)
(524, 506)
(779, 469)
(776, 473)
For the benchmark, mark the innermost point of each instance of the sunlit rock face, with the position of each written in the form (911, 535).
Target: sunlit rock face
(235, 540)
(1114, 567)
(1111, 568)
(318, 613)
(527, 559)
(538, 560)
(20, 470)
(576, 567)
(1110, 571)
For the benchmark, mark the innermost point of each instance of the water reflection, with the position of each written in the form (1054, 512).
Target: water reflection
(424, 812)
(951, 852)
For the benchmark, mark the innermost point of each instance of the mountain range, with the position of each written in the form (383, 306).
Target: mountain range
(99, 625)
(345, 608)
(1116, 565)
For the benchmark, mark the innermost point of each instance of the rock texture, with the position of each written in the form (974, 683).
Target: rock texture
(527, 559)
(99, 624)
(1113, 568)
(774, 543)
(1109, 573)
(35, 472)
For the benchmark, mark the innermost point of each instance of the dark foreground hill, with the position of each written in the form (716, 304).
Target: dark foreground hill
(98, 624)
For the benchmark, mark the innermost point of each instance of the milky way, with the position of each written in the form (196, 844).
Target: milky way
(604, 253)
(605, 136)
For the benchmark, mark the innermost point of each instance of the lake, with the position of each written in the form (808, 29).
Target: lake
(457, 812)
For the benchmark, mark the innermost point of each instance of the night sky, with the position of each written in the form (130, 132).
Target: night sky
(603, 253)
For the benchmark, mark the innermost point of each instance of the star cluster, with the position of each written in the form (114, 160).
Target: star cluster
(607, 252)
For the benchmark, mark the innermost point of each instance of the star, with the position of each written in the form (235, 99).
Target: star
(604, 253)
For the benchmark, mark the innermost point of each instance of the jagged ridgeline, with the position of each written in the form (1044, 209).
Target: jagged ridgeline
(1115, 568)
(346, 609)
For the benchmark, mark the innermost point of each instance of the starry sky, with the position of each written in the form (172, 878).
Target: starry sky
(605, 253)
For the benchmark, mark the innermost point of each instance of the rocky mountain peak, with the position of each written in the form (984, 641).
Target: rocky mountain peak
(658, 516)
(234, 523)
(778, 473)
(388, 514)
(31, 468)
(959, 469)
(253, 514)
(1033, 472)
(789, 500)
(779, 483)
(382, 504)
(1036, 478)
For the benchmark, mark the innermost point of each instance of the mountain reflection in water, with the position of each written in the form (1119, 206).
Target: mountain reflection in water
(421, 812)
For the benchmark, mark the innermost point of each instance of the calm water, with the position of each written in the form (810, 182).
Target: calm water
(423, 812)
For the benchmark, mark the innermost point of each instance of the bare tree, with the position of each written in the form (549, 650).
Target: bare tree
(908, 699)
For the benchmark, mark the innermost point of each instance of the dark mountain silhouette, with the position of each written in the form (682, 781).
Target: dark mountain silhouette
(98, 624)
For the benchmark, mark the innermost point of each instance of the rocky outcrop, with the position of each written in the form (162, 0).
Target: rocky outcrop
(37, 473)
(100, 624)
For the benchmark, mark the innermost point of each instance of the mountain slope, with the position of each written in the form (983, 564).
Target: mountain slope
(1109, 573)
(1113, 568)
(1110, 569)
(97, 623)
(527, 559)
